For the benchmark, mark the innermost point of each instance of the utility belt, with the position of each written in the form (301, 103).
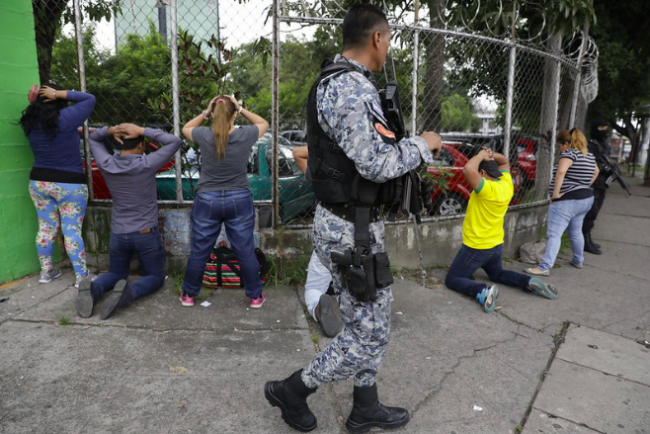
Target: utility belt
(348, 211)
(363, 272)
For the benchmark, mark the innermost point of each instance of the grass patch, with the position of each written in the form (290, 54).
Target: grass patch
(176, 276)
(63, 320)
(315, 338)
(285, 270)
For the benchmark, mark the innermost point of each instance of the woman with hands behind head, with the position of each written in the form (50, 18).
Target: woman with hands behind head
(223, 194)
(57, 183)
(571, 199)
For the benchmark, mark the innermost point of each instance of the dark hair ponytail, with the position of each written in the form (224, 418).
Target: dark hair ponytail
(43, 115)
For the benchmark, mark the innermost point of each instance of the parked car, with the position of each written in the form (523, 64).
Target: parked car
(449, 163)
(296, 192)
(527, 159)
(296, 137)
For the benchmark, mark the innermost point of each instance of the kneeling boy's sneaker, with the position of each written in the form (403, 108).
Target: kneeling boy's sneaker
(488, 298)
(48, 276)
(186, 299)
(538, 287)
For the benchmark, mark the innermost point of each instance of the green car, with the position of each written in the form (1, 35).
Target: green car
(296, 192)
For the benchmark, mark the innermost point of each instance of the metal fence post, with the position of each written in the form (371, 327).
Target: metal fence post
(275, 110)
(556, 110)
(416, 55)
(176, 97)
(578, 80)
(511, 83)
(82, 87)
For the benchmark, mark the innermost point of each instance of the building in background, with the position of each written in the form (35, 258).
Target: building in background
(200, 17)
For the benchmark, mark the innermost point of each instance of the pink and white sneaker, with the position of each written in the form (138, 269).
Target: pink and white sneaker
(258, 302)
(186, 300)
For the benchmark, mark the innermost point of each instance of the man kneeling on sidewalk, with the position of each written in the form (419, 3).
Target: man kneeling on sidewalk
(131, 179)
(488, 173)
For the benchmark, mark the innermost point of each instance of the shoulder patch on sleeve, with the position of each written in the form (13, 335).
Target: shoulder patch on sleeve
(383, 131)
(379, 123)
(376, 110)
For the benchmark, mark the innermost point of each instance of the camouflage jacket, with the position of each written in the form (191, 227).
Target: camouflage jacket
(349, 111)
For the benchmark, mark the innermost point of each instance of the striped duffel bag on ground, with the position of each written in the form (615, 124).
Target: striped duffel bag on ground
(223, 270)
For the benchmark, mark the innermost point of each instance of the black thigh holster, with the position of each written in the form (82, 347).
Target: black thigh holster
(363, 272)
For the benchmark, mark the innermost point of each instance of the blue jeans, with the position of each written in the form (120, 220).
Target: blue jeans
(468, 260)
(233, 208)
(566, 215)
(148, 246)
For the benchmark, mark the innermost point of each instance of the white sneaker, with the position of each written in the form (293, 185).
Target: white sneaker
(90, 276)
(48, 276)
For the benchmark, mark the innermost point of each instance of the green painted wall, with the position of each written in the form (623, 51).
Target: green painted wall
(18, 71)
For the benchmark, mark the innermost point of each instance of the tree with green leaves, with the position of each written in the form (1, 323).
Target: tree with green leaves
(122, 83)
(50, 15)
(623, 68)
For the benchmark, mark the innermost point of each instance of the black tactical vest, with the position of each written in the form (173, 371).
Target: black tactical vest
(334, 176)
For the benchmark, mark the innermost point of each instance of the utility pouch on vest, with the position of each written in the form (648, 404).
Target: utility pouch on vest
(383, 275)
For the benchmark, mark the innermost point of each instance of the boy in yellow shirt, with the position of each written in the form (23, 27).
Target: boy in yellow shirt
(488, 173)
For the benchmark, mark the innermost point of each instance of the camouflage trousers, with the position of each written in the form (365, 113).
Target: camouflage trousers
(359, 350)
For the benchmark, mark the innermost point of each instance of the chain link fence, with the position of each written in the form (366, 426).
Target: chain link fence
(159, 62)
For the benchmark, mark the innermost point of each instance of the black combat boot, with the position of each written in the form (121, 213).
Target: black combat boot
(590, 246)
(290, 396)
(368, 412)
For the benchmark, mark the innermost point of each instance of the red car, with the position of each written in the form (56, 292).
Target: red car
(100, 189)
(451, 193)
(526, 149)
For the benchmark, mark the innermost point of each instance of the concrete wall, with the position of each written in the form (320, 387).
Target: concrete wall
(440, 239)
(174, 222)
(19, 70)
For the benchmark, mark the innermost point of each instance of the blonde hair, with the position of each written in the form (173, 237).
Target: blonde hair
(575, 139)
(222, 113)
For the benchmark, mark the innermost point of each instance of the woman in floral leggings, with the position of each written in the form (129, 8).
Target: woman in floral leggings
(57, 181)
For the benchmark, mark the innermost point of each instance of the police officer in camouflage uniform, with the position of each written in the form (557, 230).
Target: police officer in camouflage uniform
(350, 144)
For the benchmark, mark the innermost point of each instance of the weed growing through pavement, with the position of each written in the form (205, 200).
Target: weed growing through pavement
(287, 270)
(63, 320)
(176, 276)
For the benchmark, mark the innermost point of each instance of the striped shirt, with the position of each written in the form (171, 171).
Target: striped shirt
(579, 174)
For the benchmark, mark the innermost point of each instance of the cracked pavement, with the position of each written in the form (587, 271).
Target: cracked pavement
(535, 366)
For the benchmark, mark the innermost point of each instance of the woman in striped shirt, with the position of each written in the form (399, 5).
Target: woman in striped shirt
(571, 199)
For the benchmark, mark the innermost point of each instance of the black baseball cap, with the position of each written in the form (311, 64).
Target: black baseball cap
(491, 167)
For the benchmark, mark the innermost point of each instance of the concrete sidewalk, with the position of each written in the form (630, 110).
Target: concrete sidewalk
(573, 365)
